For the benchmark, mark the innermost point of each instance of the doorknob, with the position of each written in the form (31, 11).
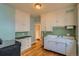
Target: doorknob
(0, 41)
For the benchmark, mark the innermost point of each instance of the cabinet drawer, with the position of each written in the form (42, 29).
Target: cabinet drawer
(25, 43)
(52, 45)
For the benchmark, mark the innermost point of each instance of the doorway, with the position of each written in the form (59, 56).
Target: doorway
(35, 24)
(38, 32)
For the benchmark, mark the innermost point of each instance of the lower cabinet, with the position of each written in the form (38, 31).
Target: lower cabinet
(71, 49)
(25, 43)
(57, 47)
(61, 47)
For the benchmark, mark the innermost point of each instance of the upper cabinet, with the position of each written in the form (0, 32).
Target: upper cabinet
(52, 19)
(22, 21)
(43, 22)
(49, 22)
(61, 17)
(70, 17)
(58, 18)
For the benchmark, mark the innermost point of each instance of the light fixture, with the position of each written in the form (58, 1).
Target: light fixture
(37, 6)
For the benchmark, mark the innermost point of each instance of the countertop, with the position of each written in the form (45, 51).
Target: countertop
(21, 37)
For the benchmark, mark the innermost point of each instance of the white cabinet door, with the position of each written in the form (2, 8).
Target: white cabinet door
(22, 21)
(29, 42)
(25, 43)
(60, 48)
(60, 19)
(46, 21)
(55, 46)
(70, 18)
(52, 46)
(43, 22)
(71, 49)
(49, 21)
(27, 22)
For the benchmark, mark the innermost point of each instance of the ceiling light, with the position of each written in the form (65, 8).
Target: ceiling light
(37, 6)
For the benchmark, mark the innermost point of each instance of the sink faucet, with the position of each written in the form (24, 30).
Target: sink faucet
(0, 41)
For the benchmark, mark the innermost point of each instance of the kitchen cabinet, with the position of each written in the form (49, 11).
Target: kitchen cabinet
(43, 22)
(25, 43)
(49, 21)
(52, 19)
(70, 18)
(56, 47)
(59, 18)
(22, 21)
(63, 45)
(71, 49)
(63, 48)
(46, 22)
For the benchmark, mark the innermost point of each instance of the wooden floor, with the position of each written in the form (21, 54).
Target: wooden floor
(38, 50)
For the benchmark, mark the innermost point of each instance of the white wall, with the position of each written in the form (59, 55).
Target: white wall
(22, 21)
(61, 17)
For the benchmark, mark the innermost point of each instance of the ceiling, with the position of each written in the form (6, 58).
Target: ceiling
(46, 7)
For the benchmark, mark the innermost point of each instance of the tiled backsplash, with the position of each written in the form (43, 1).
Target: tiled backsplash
(26, 33)
(56, 31)
(61, 31)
